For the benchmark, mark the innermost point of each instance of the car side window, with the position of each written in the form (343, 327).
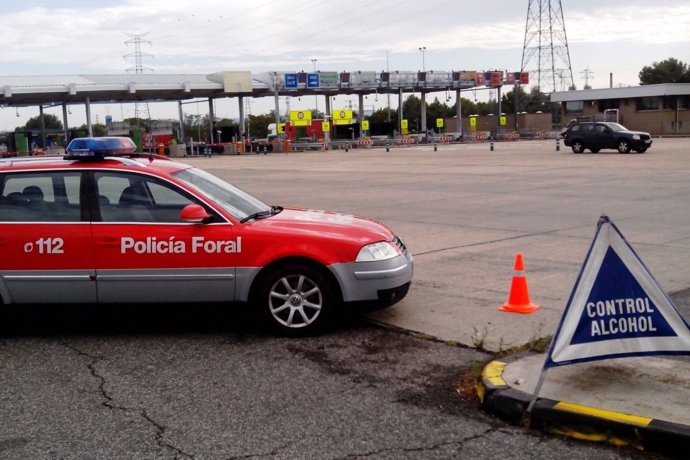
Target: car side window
(125, 197)
(40, 197)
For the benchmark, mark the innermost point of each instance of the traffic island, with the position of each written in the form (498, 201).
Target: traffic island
(500, 394)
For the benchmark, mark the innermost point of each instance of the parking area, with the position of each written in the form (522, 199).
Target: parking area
(465, 211)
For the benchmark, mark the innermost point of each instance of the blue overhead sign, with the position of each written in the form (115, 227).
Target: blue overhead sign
(617, 308)
(290, 80)
(313, 80)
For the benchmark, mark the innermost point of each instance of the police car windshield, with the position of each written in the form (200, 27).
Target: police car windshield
(234, 200)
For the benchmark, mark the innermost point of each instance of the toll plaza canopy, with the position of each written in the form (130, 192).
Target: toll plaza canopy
(20, 91)
(52, 90)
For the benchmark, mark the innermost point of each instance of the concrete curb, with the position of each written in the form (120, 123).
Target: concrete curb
(578, 421)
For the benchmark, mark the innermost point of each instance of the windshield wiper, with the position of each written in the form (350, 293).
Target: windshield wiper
(262, 214)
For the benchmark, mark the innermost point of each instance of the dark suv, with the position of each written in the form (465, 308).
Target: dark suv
(605, 135)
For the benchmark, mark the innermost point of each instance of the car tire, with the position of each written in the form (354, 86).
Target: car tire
(642, 150)
(623, 146)
(595, 150)
(578, 147)
(296, 299)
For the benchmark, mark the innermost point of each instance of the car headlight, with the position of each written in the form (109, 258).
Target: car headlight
(636, 137)
(382, 250)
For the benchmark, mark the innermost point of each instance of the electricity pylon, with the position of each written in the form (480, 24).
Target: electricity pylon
(141, 109)
(545, 53)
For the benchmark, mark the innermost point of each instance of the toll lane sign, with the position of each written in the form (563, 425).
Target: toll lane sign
(291, 80)
(313, 80)
(616, 309)
(342, 117)
(300, 117)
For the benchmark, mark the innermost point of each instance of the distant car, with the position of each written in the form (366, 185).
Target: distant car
(104, 225)
(605, 135)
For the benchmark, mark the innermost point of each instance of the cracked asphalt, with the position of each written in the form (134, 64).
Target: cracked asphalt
(195, 381)
(190, 382)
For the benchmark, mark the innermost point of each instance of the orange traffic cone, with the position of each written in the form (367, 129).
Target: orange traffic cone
(518, 298)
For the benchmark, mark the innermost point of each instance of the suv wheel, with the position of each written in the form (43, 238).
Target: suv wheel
(624, 146)
(578, 146)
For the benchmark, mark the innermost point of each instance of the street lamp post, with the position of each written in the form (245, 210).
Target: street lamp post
(423, 50)
(316, 98)
(388, 94)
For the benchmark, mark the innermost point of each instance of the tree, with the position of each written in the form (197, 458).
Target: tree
(535, 101)
(669, 71)
(196, 127)
(467, 106)
(508, 102)
(437, 110)
(50, 120)
(97, 129)
(382, 116)
(225, 123)
(143, 123)
(412, 111)
(258, 124)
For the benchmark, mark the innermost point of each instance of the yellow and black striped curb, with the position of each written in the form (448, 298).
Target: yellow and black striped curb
(578, 421)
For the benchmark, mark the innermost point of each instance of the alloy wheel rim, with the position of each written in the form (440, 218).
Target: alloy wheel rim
(295, 301)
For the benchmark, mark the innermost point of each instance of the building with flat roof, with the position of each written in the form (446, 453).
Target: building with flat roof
(662, 109)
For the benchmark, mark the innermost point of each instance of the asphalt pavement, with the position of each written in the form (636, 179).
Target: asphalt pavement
(469, 210)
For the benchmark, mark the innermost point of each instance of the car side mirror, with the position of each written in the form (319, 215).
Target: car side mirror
(194, 213)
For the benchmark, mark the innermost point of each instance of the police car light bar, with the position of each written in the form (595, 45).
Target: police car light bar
(99, 147)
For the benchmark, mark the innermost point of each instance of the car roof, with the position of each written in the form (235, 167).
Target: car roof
(595, 123)
(145, 162)
(613, 125)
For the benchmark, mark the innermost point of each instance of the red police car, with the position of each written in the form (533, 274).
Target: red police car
(103, 224)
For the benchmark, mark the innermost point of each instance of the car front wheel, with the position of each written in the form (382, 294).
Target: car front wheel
(296, 299)
(578, 147)
(624, 146)
(642, 150)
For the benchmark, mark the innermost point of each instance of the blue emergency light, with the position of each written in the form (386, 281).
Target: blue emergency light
(99, 147)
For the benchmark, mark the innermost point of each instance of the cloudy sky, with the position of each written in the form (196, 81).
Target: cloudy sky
(58, 37)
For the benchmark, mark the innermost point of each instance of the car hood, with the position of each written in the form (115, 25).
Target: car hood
(295, 221)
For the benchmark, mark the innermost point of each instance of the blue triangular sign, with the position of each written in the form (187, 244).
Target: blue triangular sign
(617, 308)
